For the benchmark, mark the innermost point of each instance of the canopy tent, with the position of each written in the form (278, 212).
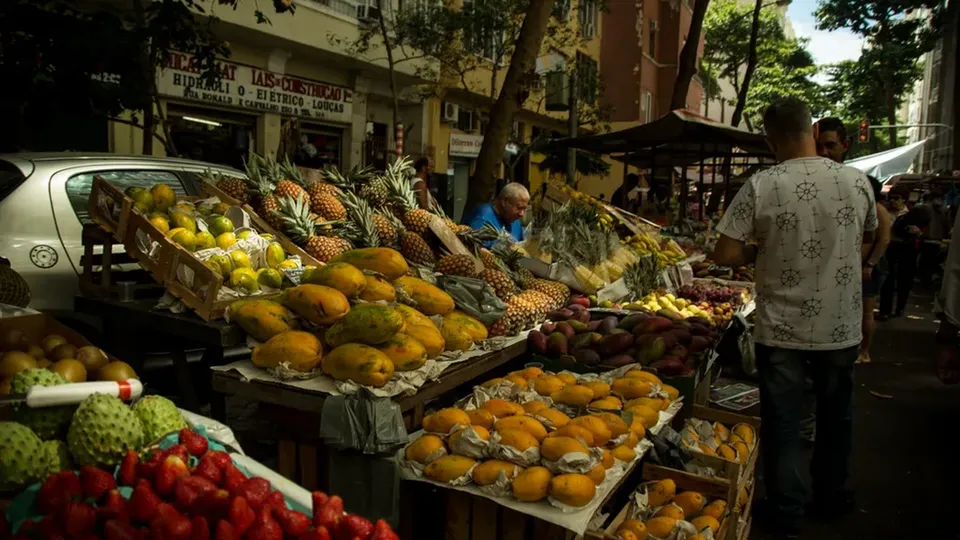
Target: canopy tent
(884, 165)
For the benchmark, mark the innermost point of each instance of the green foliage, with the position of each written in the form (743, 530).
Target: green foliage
(784, 66)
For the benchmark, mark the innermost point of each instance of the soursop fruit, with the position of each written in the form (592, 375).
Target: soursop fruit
(58, 457)
(102, 430)
(22, 457)
(159, 415)
(47, 422)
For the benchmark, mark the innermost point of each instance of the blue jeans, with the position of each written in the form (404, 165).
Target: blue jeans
(782, 374)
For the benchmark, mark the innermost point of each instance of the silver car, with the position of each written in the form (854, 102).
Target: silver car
(43, 207)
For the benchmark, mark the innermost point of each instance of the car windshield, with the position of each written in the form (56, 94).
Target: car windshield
(10, 178)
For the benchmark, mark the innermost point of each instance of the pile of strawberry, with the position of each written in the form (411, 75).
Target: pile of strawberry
(172, 501)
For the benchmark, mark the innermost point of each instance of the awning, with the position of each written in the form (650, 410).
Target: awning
(884, 165)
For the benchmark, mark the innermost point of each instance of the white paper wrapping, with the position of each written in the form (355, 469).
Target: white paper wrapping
(525, 458)
(470, 444)
(575, 462)
(503, 487)
(403, 383)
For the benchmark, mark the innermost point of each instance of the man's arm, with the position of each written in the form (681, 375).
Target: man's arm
(423, 196)
(884, 222)
(733, 253)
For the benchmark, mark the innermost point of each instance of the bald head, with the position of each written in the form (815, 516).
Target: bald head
(512, 202)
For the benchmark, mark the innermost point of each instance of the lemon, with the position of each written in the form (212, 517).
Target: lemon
(243, 234)
(141, 207)
(133, 190)
(161, 224)
(244, 280)
(142, 199)
(226, 240)
(219, 225)
(240, 259)
(288, 264)
(185, 238)
(275, 255)
(269, 277)
(224, 263)
(215, 267)
(163, 197)
(220, 208)
(182, 219)
(205, 240)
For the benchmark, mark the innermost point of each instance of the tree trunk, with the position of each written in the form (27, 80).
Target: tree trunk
(751, 65)
(385, 35)
(890, 102)
(687, 65)
(512, 95)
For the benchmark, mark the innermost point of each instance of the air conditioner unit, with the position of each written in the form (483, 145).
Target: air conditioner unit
(450, 112)
(557, 91)
(367, 13)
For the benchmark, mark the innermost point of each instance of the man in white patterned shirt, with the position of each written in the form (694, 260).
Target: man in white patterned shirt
(805, 222)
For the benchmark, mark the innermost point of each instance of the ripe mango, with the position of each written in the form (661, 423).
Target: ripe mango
(385, 261)
(661, 527)
(575, 395)
(262, 319)
(525, 423)
(706, 522)
(567, 378)
(378, 289)
(670, 510)
(444, 420)
(715, 509)
(624, 453)
(300, 351)
(430, 299)
(318, 304)
(608, 403)
(661, 492)
(745, 432)
(635, 527)
(600, 389)
(489, 471)
(449, 468)
(643, 376)
(574, 432)
(554, 448)
(551, 417)
(343, 277)
(601, 433)
(631, 387)
(359, 363)
(502, 408)
(614, 423)
(518, 439)
(425, 449)
(547, 384)
(370, 324)
(481, 418)
(690, 501)
(532, 407)
(597, 474)
(648, 416)
(532, 484)
(573, 489)
(406, 353)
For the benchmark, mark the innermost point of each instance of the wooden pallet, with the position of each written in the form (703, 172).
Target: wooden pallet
(101, 273)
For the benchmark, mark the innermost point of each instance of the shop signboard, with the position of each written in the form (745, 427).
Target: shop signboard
(464, 145)
(249, 87)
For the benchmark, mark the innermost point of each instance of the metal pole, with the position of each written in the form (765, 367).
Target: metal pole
(572, 124)
(700, 187)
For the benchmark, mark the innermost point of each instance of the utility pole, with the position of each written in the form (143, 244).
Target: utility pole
(572, 124)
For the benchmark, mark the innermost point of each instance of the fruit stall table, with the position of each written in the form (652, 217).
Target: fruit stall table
(298, 407)
(128, 324)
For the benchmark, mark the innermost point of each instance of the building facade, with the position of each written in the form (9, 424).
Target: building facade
(639, 55)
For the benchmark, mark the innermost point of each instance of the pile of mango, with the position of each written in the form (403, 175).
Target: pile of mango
(670, 514)
(664, 303)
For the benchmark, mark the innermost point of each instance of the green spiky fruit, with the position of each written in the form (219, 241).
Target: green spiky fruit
(21, 457)
(102, 430)
(58, 458)
(159, 415)
(47, 422)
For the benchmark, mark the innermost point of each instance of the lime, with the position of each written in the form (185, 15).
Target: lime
(243, 234)
(219, 225)
(269, 277)
(226, 240)
(205, 240)
(244, 280)
(240, 259)
(224, 262)
(185, 238)
(182, 219)
(161, 223)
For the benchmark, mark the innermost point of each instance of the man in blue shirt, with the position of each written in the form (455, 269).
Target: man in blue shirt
(504, 212)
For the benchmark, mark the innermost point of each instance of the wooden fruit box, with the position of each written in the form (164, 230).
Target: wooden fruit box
(109, 207)
(39, 325)
(101, 273)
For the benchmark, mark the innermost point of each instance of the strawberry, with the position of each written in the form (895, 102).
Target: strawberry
(292, 522)
(320, 533)
(354, 527)
(225, 531)
(169, 524)
(148, 469)
(265, 527)
(95, 482)
(319, 500)
(275, 499)
(115, 529)
(51, 495)
(113, 507)
(143, 503)
(254, 490)
(195, 443)
(208, 468)
(382, 531)
(172, 468)
(78, 518)
(241, 515)
(127, 475)
(221, 459)
(180, 451)
(189, 490)
(214, 505)
(201, 529)
(331, 514)
(232, 477)
(47, 528)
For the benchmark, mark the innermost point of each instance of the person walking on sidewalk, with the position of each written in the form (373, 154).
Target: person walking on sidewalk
(808, 223)
(902, 262)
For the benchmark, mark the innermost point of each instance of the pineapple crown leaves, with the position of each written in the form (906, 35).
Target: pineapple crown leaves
(295, 215)
(291, 172)
(334, 177)
(258, 181)
(476, 238)
(360, 218)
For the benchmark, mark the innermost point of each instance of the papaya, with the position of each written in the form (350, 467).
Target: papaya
(721, 431)
(455, 339)
(661, 527)
(429, 299)
(533, 484)
(385, 261)
(449, 468)
(614, 423)
(518, 439)
(525, 423)
(608, 403)
(341, 276)
(378, 289)
(706, 522)
(481, 418)
(428, 335)
(656, 404)
(672, 392)
(635, 527)
(607, 460)
(575, 395)
(532, 407)
(601, 433)
(643, 376)
(454, 441)
(670, 510)
(745, 432)
(548, 384)
(661, 492)
(318, 304)
(715, 509)
(574, 432)
(551, 417)
(573, 489)
(370, 324)
(597, 474)
(406, 353)
(502, 408)
(474, 328)
(531, 372)
(631, 387)
(624, 453)
(444, 420)
(359, 363)
(554, 448)
(425, 449)
(567, 378)
(299, 351)
(262, 319)
(489, 471)
(690, 501)
(600, 388)
(648, 416)
(517, 380)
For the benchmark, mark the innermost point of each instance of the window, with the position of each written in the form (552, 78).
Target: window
(588, 78)
(480, 40)
(588, 18)
(465, 121)
(367, 10)
(78, 186)
(561, 9)
(10, 178)
(652, 47)
(646, 106)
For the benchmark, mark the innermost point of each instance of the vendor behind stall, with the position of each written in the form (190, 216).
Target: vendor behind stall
(504, 212)
(626, 196)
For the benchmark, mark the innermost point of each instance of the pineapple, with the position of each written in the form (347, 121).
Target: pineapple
(385, 228)
(415, 249)
(524, 276)
(375, 191)
(289, 180)
(502, 285)
(415, 219)
(557, 292)
(500, 327)
(233, 186)
(367, 233)
(489, 260)
(327, 205)
(295, 214)
(260, 185)
(457, 265)
(542, 303)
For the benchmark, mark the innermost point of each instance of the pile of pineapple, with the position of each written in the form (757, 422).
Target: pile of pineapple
(178, 220)
(668, 252)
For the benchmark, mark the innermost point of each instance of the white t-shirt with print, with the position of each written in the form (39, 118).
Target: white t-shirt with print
(808, 217)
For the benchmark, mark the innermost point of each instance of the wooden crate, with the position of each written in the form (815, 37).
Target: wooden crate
(109, 207)
(734, 477)
(39, 325)
(100, 274)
